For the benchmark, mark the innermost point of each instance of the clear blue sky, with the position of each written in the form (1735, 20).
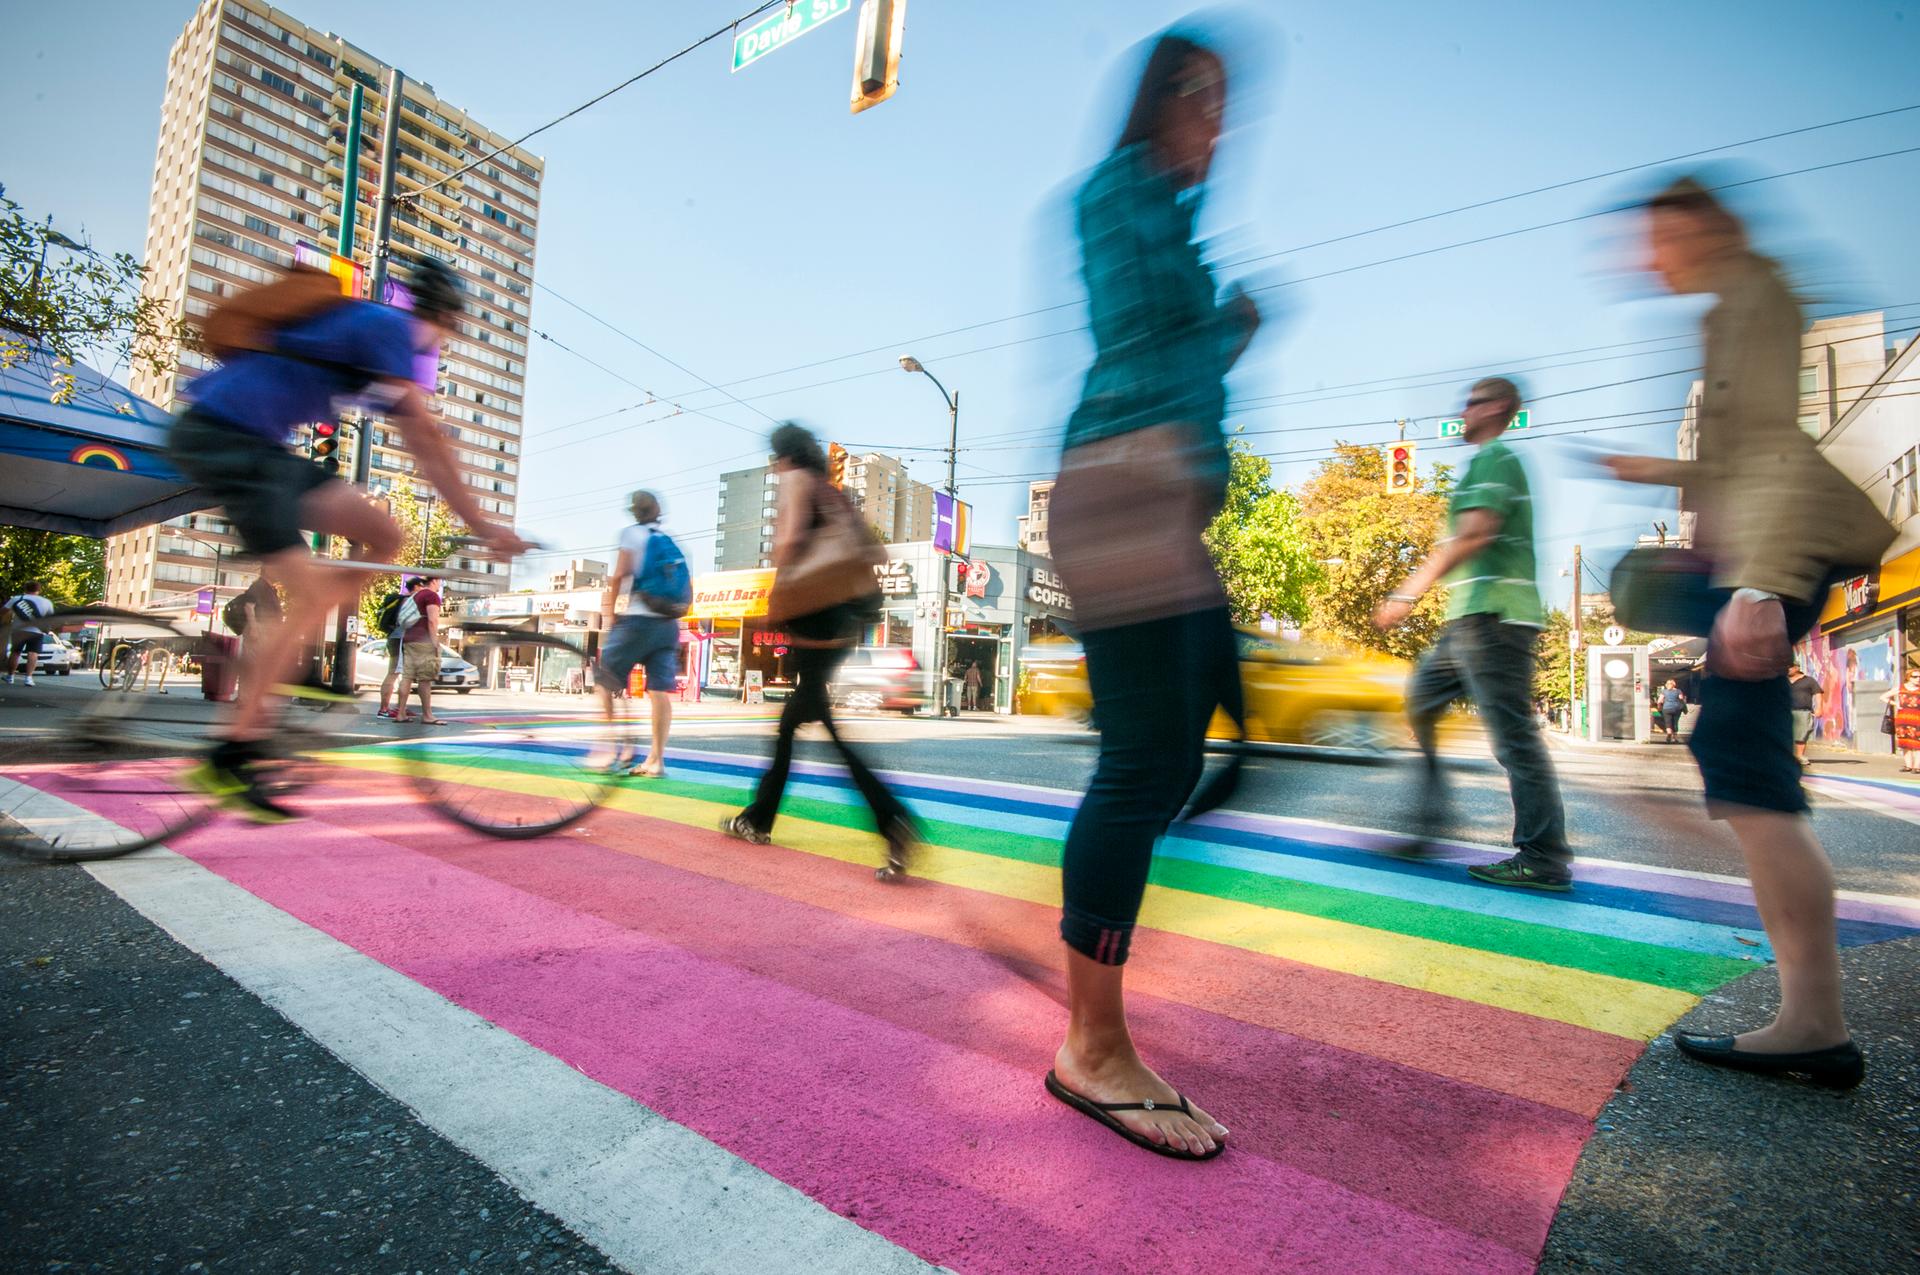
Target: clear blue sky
(741, 224)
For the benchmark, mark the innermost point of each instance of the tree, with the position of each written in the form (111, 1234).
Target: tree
(75, 303)
(439, 530)
(1259, 546)
(1366, 542)
(71, 569)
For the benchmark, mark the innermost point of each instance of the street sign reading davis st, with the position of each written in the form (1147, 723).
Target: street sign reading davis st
(786, 23)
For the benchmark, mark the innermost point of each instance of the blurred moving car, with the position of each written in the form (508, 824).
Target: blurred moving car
(456, 674)
(1297, 692)
(879, 677)
(57, 655)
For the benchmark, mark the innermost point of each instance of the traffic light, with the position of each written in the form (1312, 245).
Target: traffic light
(876, 52)
(1400, 466)
(836, 464)
(326, 442)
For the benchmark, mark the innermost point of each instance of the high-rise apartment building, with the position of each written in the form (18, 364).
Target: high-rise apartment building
(899, 508)
(1033, 523)
(249, 170)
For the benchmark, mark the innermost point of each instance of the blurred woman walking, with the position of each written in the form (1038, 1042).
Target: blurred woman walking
(822, 552)
(1143, 472)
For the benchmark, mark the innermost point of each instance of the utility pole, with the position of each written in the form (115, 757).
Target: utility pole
(377, 280)
(1578, 646)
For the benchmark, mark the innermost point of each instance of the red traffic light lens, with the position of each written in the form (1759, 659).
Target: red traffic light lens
(324, 429)
(1400, 454)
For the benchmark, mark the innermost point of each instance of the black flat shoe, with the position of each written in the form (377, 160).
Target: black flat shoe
(1836, 1067)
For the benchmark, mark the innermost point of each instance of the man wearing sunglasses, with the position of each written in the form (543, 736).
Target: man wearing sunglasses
(1485, 652)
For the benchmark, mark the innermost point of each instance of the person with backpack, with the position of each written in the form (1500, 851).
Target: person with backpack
(418, 623)
(647, 634)
(389, 627)
(291, 352)
(23, 608)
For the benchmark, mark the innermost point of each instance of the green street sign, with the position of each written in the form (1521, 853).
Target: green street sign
(784, 25)
(1457, 426)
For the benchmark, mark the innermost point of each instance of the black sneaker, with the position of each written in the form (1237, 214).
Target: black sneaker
(232, 776)
(1525, 872)
(903, 842)
(737, 827)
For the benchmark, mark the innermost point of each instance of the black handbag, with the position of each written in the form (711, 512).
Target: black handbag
(1663, 589)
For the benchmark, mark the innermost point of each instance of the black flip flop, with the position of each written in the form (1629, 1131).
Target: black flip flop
(1102, 1112)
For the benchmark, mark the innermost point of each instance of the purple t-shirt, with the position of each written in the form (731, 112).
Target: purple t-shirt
(417, 631)
(267, 395)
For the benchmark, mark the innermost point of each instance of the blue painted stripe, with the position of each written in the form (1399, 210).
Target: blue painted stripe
(1046, 820)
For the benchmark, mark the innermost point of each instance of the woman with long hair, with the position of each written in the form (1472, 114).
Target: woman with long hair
(1143, 471)
(820, 643)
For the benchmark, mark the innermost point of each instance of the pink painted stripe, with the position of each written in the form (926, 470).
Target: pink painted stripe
(1431, 1145)
(948, 1150)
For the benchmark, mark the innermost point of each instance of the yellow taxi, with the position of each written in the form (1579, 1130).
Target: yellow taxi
(1297, 692)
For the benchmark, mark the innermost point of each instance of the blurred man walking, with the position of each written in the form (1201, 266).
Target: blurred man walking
(1486, 650)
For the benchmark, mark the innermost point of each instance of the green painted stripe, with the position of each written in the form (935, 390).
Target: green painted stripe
(1651, 963)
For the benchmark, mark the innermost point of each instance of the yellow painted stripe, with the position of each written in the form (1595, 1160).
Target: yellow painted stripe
(1622, 1007)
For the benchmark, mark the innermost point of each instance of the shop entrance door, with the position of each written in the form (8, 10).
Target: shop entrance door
(984, 651)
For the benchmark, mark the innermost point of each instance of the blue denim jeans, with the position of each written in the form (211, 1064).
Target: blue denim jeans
(1155, 685)
(1490, 663)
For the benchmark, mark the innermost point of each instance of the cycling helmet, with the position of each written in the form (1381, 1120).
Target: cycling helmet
(436, 289)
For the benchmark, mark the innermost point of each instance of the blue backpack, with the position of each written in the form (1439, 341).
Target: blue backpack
(663, 582)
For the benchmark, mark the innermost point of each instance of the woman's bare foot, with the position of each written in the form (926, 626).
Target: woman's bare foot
(650, 767)
(1120, 1076)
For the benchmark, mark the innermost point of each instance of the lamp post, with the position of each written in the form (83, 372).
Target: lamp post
(910, 364)
(426, 523)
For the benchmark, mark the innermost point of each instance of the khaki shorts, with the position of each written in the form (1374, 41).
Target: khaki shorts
(420, 662)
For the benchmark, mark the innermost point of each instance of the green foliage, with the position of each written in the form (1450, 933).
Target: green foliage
(71, 569)
(1366, 542)
(1550, 667)
(412, 515)
(77, 304)
(1259, 546)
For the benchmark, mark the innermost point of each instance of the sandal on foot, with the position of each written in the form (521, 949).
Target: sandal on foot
(1102, 1112)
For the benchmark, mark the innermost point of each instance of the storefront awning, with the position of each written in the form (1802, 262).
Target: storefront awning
(92, 464)
(1877, 593)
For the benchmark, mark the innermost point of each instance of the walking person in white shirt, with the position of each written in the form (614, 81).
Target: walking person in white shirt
(26, 606)
(659, 592)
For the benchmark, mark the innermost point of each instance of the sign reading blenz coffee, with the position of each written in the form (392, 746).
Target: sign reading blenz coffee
(1044, 588)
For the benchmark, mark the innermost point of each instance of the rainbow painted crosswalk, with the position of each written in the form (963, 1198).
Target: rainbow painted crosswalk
(1410, 1063)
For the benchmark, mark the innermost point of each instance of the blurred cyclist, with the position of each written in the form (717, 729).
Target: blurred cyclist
(232, 441)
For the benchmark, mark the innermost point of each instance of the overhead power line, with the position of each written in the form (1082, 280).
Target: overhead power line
(667, 61)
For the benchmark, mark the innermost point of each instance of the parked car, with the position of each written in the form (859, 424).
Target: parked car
(456, 674)
(1296, 692)
(879, 677)
(57, 656)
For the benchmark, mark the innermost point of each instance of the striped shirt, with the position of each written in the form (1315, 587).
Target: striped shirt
(1499, 580)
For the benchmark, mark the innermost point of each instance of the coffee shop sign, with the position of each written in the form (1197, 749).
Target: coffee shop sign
(894, 578)
(1044, 588)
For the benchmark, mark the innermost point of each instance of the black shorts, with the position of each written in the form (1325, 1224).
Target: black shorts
(29, 643)
(257, 483)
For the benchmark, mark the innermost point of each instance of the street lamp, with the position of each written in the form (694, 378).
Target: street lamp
(426, 522)
(910, 364)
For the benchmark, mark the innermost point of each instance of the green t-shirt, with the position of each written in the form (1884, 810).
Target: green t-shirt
(1500, 578)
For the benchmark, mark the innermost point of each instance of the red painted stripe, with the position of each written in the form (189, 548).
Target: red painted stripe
(1384, 1130)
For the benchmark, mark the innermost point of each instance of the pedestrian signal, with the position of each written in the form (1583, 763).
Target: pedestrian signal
(1400, 464)
(836, 464)
(326, 442)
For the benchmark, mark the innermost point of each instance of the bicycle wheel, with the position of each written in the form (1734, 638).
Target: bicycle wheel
(518, 777)
(110, 666)
(93, 774)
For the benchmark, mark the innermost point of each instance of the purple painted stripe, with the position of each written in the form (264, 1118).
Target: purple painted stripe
(1625, 876)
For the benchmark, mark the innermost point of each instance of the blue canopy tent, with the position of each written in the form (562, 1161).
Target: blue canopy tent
(94, 464)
